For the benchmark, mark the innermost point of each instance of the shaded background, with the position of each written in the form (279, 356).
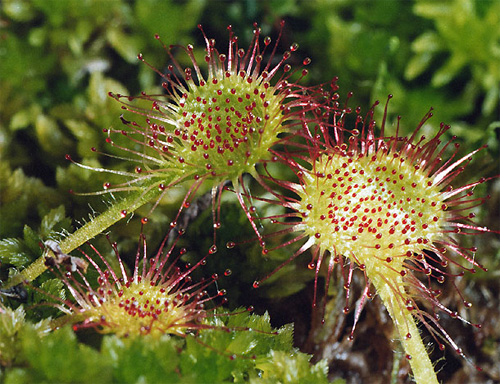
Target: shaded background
(58, 60)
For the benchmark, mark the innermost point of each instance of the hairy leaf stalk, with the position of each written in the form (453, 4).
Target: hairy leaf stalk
(91, 229)
(416, 353)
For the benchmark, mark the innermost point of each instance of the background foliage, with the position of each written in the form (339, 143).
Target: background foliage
(58, 60)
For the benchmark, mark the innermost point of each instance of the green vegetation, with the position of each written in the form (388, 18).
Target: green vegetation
(59, 60)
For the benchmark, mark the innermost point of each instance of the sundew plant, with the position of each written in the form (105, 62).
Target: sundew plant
(386, 204)
(187, 196)
(204, 129)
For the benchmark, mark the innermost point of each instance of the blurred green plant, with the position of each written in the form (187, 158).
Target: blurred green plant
(59, 61)
(467, 39)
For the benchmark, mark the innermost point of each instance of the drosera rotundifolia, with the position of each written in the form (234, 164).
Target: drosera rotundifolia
(158, 296)
(386, 205)
(157, 301)
(204, 129)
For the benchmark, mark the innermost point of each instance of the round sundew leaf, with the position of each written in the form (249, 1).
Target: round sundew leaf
(377, 201)
(206, 129)
(386, 205)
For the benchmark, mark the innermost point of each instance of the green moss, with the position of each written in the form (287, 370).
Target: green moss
(238, 347)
